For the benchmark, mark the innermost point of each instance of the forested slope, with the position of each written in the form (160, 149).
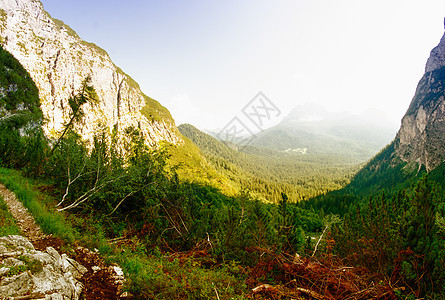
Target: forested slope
(268, 173)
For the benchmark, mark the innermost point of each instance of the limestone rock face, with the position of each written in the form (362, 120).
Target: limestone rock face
(58, 60)
(437, 57)
(47, 275)
(421, 137)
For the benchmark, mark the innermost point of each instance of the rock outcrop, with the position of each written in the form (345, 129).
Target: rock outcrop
(437, 57)
(58, 60)
(421, 137)
(40, 275)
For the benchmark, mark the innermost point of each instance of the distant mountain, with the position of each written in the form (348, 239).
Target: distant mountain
(312, 129)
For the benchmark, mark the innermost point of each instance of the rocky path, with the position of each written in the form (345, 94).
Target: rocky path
(23, 217)
(100, 281)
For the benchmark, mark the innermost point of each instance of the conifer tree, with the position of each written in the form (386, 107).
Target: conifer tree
(85, 95)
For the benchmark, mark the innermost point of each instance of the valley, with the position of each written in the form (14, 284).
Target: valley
(268, 172)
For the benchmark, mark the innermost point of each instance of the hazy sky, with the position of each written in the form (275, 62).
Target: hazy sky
(204, 60)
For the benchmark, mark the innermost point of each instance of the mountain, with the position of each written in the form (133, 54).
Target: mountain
(58, 60)
(312, 129)
(420, 142)
(421, 138)
(417, 148)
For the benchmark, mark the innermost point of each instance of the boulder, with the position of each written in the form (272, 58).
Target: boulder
(26, 271)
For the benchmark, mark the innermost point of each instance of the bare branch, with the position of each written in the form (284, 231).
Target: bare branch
(216, 291)
(329, 220)
(88, 194)
(319, 240)
(70, 182)
(171, 220)
(129, 195)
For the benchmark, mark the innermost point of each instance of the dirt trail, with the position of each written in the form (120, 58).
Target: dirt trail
(23, 217)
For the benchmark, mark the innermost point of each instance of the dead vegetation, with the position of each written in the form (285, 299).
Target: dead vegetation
(309, 278)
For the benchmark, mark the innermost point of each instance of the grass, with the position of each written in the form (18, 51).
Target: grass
(8, 225)
(153, 275)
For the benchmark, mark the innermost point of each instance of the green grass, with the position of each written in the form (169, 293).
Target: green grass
(8, 225)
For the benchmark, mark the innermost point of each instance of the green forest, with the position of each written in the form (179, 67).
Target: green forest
(378, 234)
(268, 173)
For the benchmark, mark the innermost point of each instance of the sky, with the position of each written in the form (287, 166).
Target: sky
(206, 59)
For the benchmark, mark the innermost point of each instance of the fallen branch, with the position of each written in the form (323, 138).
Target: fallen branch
(216, 292)
(170, 219)
(319, 240)
(310, 293)
(129, 195)
(88, 194)
(70, 182)
(329, 221)
(269, 288)
(264, 288)
(119, 239)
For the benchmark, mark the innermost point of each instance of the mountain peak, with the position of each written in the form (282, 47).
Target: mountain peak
(22, 4)
(307, 112)
(437, 56)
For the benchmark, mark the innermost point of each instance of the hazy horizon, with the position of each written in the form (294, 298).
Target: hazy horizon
(205, 60)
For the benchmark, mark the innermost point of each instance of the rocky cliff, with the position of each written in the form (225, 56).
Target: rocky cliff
(421, 137)
(58, 60)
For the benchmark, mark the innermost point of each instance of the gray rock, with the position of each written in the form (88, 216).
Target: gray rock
(4, 271)
(51, 251)
(12, 262)
(43, 257)
(17, 285)
(73, 267)
(421, 136)
(95, 269)
(15, 243)
(437, 57)
(55, 296)
(49, 274)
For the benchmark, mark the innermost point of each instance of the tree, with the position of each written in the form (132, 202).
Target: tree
(85, 95)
